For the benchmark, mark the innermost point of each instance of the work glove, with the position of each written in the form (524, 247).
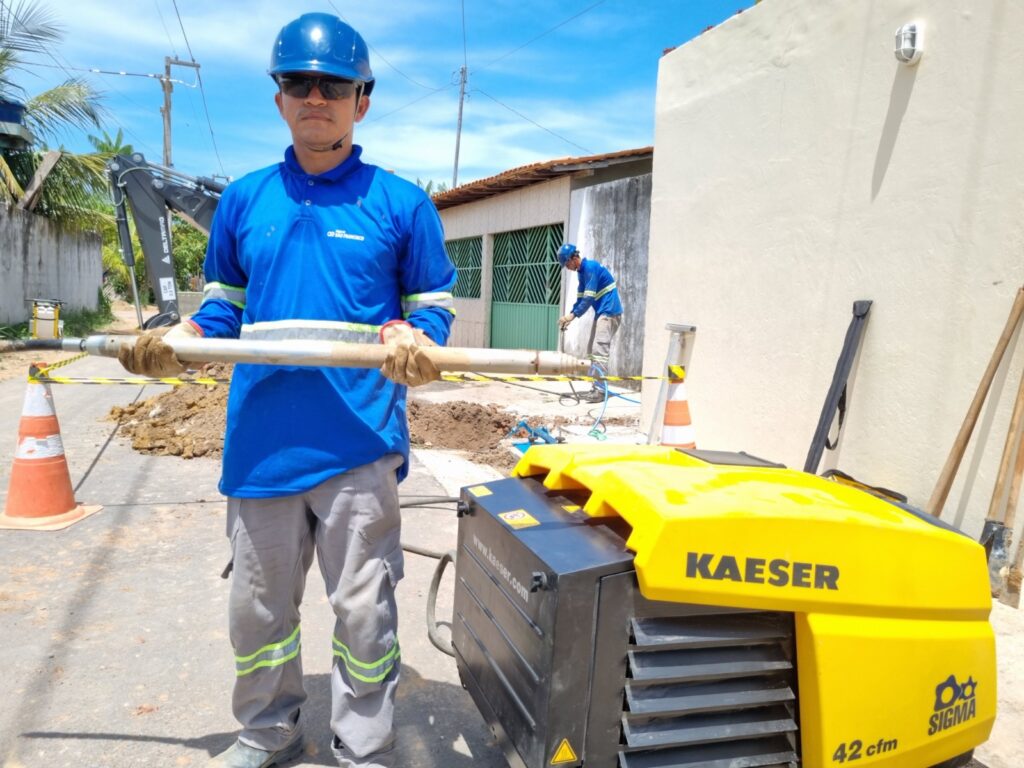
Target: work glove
(406, 363)
(151, 356)
(563, 322)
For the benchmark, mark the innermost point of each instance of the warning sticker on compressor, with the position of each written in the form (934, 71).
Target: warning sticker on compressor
(518, 518)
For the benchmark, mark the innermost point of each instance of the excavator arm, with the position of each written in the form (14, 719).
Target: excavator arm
(152, 191)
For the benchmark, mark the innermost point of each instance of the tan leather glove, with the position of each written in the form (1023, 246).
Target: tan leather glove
(151, 356)
(406, 363)
(563, 322)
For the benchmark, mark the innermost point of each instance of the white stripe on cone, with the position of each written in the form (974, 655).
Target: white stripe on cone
(685, 435)
(40, 448)
(38, 401)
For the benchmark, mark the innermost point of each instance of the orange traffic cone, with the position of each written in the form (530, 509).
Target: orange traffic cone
(39, 496)
(677, 430)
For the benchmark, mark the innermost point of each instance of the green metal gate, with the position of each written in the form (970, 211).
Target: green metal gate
(526, 288)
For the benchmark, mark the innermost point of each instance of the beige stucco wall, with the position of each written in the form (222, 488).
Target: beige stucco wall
(532, 206)
(799, 167)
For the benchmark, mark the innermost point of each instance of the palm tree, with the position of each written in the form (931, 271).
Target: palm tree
(77, 182)
(109, 147)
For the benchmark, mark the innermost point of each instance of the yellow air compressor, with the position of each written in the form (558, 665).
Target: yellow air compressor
(644, 607)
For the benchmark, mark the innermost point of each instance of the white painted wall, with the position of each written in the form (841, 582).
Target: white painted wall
(799, 167)
(609, 222)
(533, 206)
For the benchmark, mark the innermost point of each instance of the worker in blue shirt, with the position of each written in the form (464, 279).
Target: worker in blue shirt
(596, 289)
(319, 246)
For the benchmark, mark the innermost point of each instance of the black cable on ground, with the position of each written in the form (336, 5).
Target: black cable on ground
(437, 640)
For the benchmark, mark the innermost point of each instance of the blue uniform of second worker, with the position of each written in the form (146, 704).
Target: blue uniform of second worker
(596, 289)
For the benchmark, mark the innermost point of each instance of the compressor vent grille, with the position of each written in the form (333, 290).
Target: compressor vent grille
(715, 689)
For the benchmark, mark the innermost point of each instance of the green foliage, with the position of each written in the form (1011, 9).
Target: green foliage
(109, 146)
(73, 189)
(82, 322)
(189, 247)
(431, 187)
(11, 332)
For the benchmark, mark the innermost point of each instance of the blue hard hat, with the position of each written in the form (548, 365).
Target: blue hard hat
(566, 252)
(320, 42)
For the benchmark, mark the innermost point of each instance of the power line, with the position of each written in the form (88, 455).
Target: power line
(46, 49)
(414, 101)
(67, 68)
(542, 34)
(121, 72)
(167, 32)
(202, 91)
(533, 122)
(380, 56)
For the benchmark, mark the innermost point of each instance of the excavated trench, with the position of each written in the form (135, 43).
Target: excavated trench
(188, 421)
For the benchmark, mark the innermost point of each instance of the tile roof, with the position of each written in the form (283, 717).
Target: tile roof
(531, 174)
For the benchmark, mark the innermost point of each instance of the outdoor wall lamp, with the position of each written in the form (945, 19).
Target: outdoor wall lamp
(909, 43)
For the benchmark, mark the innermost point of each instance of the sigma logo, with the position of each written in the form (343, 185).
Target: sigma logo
(344, 235)
(954, 703)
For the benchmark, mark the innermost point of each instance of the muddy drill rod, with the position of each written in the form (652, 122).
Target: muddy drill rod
(325, 354)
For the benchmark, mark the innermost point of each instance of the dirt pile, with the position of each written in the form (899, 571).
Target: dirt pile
(189, 421)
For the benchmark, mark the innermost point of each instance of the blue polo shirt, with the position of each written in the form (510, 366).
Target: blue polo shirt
(331, 256)
(596, 289)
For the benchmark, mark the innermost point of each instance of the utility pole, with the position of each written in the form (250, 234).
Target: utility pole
(458, 130)
(168, 86)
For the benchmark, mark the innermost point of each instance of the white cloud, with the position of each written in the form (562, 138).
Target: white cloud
(590, 82)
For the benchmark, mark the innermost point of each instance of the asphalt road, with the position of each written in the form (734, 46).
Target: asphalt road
(115, 647)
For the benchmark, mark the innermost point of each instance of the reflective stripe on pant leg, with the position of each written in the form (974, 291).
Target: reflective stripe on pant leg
(358, 544)
(272, 547)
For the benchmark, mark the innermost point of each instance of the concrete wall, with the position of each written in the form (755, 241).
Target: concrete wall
(38, 259)
(800, 167)
(533, 206)
(609, 221)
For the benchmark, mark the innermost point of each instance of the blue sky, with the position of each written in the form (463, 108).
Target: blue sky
(547, 78)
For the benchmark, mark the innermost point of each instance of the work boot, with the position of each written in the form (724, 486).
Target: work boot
(385, 758)
(241, 755)
(593, 396)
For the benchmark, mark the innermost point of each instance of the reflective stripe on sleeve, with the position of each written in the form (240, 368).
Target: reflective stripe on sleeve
(231, 293)
(416, 301)
(273, 655)
(321, 330)
(367, 672)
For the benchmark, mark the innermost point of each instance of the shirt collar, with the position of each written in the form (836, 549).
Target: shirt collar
(337, 173)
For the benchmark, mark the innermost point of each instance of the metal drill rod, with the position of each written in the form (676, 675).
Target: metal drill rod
(327, 354)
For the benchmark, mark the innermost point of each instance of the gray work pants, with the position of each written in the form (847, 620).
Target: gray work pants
(353, 523)
(601, 334)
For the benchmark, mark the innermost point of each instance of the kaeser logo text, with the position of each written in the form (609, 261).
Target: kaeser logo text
(954, 703)
(759, 570)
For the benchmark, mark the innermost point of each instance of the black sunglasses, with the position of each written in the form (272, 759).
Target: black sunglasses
(331, 88)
